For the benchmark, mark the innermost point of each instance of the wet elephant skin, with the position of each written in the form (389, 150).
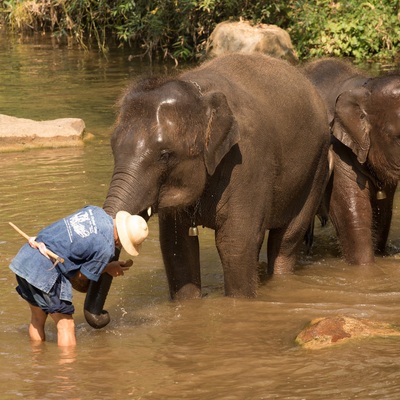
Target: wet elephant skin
(364, 113)
(239, 145)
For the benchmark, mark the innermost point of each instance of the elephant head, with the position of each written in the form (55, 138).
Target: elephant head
(168, 138)
(367, 120)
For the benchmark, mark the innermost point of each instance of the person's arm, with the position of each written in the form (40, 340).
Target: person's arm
(117, 268)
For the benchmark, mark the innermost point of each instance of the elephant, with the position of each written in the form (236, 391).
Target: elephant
(364, 115)
(244, 37)
(238, 144)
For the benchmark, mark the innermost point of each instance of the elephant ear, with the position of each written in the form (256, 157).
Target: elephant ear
(222, 130)
(350, 123)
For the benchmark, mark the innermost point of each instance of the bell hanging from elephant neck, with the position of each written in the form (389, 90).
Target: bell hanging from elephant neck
(193, 231)
(380, 195)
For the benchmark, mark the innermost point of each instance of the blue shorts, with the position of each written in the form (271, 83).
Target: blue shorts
(50, 302)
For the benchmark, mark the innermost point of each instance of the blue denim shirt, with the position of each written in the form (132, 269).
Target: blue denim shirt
(84, 239)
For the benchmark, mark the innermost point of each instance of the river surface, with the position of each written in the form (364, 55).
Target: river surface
(213, 348)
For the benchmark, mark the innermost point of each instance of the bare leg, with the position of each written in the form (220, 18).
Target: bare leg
(65, 329)
(36, 327)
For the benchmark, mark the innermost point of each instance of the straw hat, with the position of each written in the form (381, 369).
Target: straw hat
(132, 230)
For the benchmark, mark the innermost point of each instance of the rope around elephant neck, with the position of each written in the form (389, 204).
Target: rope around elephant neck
(197, 86)
(193, 231)
(366, 170)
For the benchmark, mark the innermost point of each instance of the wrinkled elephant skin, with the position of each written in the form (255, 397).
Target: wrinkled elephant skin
(364, 113)
(238, 145)
(95, 299)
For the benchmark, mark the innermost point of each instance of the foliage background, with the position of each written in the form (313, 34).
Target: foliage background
(179, 29)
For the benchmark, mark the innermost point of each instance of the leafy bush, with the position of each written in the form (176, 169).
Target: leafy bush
(358, 29)
(177, 29)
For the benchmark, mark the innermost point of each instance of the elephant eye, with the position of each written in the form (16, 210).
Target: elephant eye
(165, 156)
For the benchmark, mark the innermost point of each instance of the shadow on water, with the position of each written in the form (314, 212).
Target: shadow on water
(214, 348)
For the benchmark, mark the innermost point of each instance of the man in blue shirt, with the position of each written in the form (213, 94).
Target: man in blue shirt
(86, 241)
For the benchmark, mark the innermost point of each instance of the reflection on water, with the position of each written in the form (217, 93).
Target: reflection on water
(214, 348)
(41, 80)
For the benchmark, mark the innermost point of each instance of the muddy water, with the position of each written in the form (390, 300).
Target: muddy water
(214, 348)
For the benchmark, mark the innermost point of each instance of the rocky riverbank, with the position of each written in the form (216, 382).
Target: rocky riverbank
(18, 134)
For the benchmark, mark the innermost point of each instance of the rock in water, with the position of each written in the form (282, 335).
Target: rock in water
(21, 133)
(329, 331)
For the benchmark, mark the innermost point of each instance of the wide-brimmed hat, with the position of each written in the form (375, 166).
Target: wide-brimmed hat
(132, 230)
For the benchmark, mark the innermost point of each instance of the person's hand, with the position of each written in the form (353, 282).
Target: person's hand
(117, 268)
(38, 245)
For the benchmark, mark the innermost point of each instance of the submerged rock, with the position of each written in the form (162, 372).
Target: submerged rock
(329, 331)
(20, 133)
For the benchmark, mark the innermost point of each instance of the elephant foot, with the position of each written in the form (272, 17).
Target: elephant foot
(186, 292)
(281, 262)
(280, 269)
(97, 321)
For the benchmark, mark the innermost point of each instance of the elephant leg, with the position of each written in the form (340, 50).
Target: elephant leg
(284, 242)
(239, 247)
(382, 214)
(351, 215)
(180, 254)
(281, 250)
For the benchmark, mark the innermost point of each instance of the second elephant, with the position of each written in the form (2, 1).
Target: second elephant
(364, 114)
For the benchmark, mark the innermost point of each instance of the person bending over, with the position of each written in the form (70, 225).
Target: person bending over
(86, 241)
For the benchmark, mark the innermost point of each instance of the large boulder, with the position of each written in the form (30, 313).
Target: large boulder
(242, 37)
(20, 133)
(330, 331)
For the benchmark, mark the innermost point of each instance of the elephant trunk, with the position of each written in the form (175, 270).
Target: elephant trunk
(95, 299)
(118, 198)
(97, 293)
(131, 191)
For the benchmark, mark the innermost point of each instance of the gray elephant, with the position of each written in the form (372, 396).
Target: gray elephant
(364, 114)
(238, 145)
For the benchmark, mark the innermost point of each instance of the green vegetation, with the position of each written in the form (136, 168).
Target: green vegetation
(180, 28)
(358, 29)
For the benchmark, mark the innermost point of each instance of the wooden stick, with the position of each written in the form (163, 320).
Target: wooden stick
(48, 252)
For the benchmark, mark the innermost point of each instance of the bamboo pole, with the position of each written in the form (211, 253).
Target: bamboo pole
(48, 252)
